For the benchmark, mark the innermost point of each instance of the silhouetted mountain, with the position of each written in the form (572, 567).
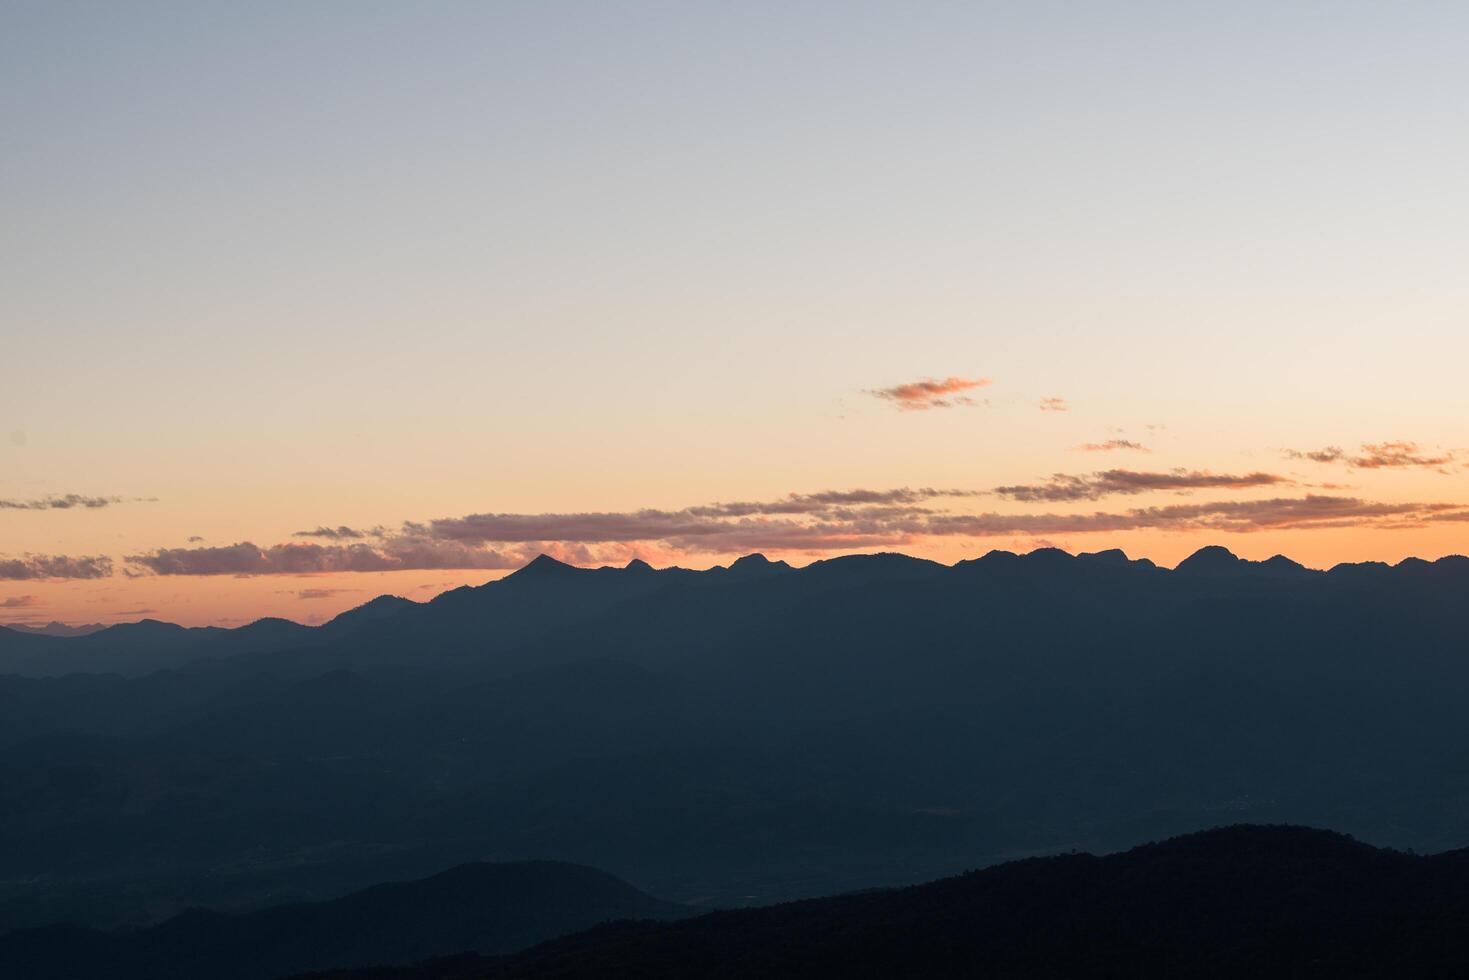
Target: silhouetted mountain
(1238, 902)
(17, 647)
(134, 649)
(731, 737)
(485, 908)
(382, 607)
(755, 566)
(1217, 562)
(55, 628)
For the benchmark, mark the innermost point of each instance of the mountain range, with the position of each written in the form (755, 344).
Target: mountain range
(734, 736)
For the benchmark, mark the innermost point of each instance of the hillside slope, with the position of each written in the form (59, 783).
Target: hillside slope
(1243, 901)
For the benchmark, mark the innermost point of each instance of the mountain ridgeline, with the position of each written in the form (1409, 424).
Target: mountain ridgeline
(1243, 901)
(474, 908)
(743, 734)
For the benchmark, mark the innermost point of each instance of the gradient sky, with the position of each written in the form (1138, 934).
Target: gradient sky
(272, 267)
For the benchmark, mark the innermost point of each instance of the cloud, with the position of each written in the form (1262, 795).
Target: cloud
(831, 507)
(1111, 445)
(931, 393)
(1063, 487)
(322, 593)
(33, 567)
(1378, 455)
(824, 520)
(339, 533)
(1053, 405)
(811, 523)
(1235, 516)
(395, 554)
(20, 602)
(68, 501)
(193, 538)
(830, 501)
(135, 612)
(1331, 454)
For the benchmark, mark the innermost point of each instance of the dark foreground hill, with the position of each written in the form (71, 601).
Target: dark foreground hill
(488, 908)
(1243, 901)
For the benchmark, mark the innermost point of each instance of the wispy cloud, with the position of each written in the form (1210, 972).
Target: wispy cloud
(1053, 405)
(35, 567)
(931, 393)
(1331, 454)
(1233, 516)
(70, 501)
(340, 533)
(829, 519)
(20, 602)
(398, 553)
(323, 593)
(811, 523)
(1111, 445)
(1094, 486)
(837, 514)
(1379, 455)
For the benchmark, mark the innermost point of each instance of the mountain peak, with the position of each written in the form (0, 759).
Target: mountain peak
(1210, 558)
(757, 564)
(1217, 561)
(1115, 556)
(542, 564)
(637, 565)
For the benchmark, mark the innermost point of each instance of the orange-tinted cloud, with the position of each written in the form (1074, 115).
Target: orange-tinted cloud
(1233, 516)
(68, 501)
(340, 533)
(322, 593)
(246, 558)
(811, 523)
(1397, 454)
(20, 602)
(1064, 487)
(1053, 405)
(931, 393)
(827, 500)
(33, 567)
(1111, 445)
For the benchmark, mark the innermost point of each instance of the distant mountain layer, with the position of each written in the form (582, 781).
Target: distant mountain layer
(133, 649)
(487, 908)
(54, 628)
(1257, 902)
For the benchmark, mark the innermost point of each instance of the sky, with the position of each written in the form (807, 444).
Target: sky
(304, 303)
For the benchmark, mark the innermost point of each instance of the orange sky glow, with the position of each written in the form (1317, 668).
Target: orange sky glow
(301, 309)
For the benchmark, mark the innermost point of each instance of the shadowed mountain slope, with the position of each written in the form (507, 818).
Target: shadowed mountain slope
(1242, 901)
(487, 908)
